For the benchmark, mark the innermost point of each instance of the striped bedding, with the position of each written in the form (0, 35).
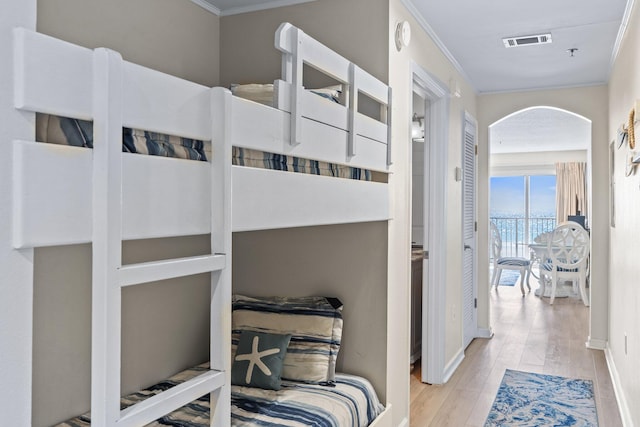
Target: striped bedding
(79, 133)
(352, 402)
(264, 160)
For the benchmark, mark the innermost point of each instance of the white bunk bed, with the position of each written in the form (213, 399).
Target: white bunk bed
(61, 195)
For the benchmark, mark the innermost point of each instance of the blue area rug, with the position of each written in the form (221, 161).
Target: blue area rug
(528, 399)
(509, 277)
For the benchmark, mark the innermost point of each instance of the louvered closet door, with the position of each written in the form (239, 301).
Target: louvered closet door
(469, 257)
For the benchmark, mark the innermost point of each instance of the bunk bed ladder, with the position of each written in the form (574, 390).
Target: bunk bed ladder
(110, 276)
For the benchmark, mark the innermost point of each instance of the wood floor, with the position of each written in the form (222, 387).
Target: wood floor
(529, 335)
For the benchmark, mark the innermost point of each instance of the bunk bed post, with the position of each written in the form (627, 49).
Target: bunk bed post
(107, 238)
(16, 290)
(220, 352)
(388, 117)
(353, 109)
(290, 41)
(297, 86)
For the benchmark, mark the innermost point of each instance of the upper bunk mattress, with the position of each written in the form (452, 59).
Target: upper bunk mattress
(79, 133)
(351, 403)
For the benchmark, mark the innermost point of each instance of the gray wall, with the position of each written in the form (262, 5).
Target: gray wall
(173, 36)
(165, 329)
(347, 261)
(356, 29)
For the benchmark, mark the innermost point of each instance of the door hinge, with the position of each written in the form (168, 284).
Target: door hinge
(476, 148)
(475, 303)
(475, 226)
(425, 254)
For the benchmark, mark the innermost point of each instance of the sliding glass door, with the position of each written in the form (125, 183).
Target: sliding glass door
(522, 207)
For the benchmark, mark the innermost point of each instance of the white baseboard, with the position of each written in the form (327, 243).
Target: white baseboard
(625, 412)
(453, 365)
(484, 333)
(596, 344)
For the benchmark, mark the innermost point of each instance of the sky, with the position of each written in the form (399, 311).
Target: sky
(507, 195)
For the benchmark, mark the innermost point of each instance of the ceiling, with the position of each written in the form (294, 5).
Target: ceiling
(470, 34)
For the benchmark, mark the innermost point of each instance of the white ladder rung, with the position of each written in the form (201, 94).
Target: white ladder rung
(134, 274)
(163, 403)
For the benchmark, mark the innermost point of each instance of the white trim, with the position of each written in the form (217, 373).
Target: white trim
(453, 365)
(543, 88)
(621, 32)
(531, 170)
(596, 344)
(623, 406)
(486, 333)
(404, 422)
(434, 296)
(208, 6)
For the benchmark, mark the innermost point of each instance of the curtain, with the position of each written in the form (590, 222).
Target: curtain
(571, 190)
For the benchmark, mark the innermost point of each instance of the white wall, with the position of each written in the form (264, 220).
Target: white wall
(591, 103)
(426, 54)
(624, 293)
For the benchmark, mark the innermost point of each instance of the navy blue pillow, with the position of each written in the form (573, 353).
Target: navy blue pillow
(259, 359)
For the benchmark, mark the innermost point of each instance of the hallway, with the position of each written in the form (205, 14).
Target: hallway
(529, 335)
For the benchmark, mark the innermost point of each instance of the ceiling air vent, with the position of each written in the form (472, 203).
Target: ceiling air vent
(527, 40)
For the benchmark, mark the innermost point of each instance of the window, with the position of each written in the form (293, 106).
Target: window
(522, 207)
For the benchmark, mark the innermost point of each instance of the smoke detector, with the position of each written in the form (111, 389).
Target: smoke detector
(527, 40)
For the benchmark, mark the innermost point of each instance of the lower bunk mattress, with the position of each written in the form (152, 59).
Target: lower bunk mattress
(352, 401)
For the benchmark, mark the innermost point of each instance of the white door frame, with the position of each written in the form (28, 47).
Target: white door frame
(468, 119)
(434, 285)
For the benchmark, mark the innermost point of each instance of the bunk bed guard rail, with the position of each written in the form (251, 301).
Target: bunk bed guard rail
(298, 49)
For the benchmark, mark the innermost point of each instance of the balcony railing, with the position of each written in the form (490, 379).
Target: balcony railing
(517, 233)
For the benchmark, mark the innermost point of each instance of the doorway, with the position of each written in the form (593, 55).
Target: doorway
(469, 230)
(430, 108)
(525, 148)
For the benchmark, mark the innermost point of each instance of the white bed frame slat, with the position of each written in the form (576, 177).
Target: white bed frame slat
(318, 200)
(52, 195)
(135, 274)
(168, 197)
(165, 197)
(52, 76)
(166, 104)
(154, 407)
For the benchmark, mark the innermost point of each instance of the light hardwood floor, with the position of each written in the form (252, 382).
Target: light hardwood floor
(529, 335)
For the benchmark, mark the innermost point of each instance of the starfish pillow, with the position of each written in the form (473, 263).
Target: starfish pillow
(258, 360)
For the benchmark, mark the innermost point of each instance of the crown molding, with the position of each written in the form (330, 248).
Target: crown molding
(208, 6)
(621, 33)
(431, 33)
(205, 4)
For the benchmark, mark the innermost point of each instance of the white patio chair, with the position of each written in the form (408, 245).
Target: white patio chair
(507, 263)
(568, 251)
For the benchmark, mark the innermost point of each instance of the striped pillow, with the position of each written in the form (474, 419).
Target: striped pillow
(315, 326)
